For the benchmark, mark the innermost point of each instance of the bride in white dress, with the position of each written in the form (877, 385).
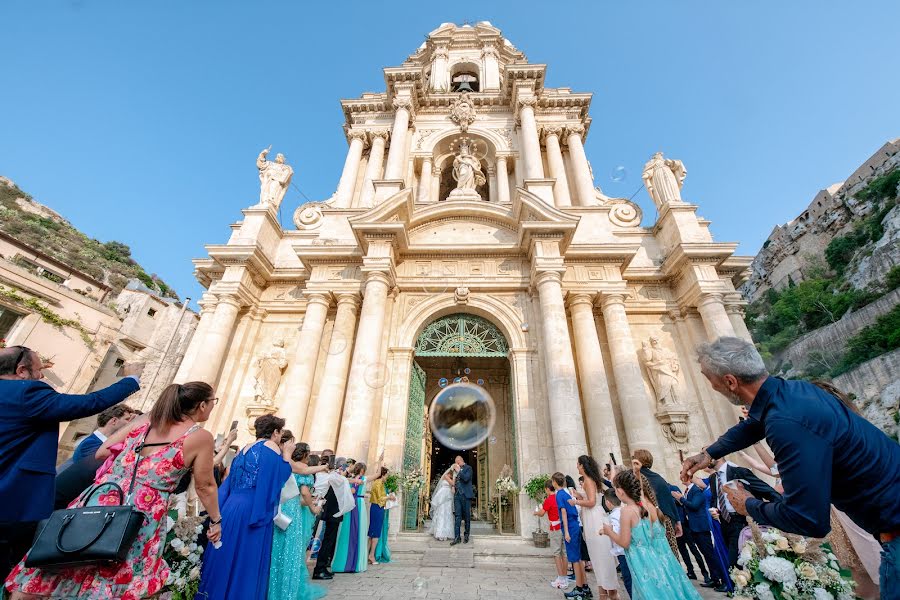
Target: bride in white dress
(442, 507)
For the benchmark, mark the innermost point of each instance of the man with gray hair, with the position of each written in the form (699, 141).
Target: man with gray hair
(814, 436)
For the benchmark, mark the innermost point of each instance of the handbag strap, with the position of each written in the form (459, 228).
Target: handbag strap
(107, 519)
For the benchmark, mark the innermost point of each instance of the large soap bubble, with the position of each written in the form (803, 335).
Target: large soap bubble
(462, 416)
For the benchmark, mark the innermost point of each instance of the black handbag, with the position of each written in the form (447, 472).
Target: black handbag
(88, 535)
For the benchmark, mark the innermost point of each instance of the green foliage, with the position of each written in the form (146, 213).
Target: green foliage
(47, 315)
(536, 487)
(878, 338)
(392, 483)
(881, 187)
(109, 262)
(841, 249)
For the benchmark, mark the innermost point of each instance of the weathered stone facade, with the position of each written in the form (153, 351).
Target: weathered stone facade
(466, 194)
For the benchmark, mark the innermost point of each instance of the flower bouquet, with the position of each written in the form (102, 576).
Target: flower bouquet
(506, 486)
(413, 480)
(182, 554)
(778, 566)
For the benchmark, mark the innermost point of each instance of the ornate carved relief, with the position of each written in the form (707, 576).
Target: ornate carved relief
(663, 369)
(625, 214)
(462, 111)
(309, 215)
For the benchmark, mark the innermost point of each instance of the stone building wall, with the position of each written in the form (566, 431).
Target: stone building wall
(830, 341)
(877, 390)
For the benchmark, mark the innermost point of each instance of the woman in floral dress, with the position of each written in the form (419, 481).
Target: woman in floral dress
(165, 444)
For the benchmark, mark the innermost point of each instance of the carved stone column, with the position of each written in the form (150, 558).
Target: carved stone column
(715, 319)
(435, 183)
(298, 381)
(207, 308)
(584, 183)
(597, 402)
(424, 193)
(736, 316)
(531, 144)
(636, 405)
(557, 166)
(360, 399)
(373, 168)
(324, 414)
(396, 161)
(567, 423)
(347, 185)
(215, 342)
(492, 184)
(502, 180)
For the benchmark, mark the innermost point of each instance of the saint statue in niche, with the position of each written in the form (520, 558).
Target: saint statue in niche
(274, 178)
(467, 172)
(663, 178)
(663, 368)
(270, 367)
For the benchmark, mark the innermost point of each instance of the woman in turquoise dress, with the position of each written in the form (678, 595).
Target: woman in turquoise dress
(655, 572)
(289, 575)
(352, 544)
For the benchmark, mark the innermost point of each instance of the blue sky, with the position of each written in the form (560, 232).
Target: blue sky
(141, 121)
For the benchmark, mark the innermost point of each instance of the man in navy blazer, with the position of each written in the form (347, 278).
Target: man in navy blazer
(30, 414)
(462, 499)
(696, 509)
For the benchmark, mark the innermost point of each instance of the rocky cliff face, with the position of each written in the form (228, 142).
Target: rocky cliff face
(795, 249)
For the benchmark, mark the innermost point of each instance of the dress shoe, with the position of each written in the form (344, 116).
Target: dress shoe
(466, 540)
(706, 579)
(710, 584)
(722, 588)
(455, 542)
(692, 576)
(322, 576)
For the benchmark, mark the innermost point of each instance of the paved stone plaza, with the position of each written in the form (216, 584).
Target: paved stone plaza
(501, 568)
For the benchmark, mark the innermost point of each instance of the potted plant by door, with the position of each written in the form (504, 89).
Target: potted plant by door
(536, 490)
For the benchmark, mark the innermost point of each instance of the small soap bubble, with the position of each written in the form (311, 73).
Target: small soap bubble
(492, 440)
(480, 381)
(335, 343)
(419, 584)
(619, 174)
(376, 375)
(462, 416)
(457, 379)
(443, 382)
(467, 370)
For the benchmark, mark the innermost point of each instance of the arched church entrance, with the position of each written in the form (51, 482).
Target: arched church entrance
(451, 349)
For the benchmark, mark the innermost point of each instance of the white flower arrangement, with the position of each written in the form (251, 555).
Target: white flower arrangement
(412, 480)
(183, 554)
(506, 486)
(778, 566)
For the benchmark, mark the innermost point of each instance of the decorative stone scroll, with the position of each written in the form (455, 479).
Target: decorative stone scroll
(309, 215)
(625, 214)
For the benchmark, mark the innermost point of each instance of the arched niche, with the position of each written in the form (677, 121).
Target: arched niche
(444, 151)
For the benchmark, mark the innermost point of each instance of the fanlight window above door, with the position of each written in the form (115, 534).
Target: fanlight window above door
(461, 335)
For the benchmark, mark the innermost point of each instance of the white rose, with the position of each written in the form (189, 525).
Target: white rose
(822, 594)
(194, 575)
(199, 529)
(740, 579)
(782, 544)
(193, 546)
(763, 592)
(807, 571)
(184, 551)
(177, 544)
(799, 547)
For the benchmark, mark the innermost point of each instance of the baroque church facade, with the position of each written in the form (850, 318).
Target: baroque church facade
(467, 239)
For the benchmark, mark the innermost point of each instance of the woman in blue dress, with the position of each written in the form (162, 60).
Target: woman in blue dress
(656, 573)
(239, 568)
(289, 576)
(351, 553)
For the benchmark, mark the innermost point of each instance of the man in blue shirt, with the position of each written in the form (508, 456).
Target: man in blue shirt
(108, 422)
(826, 453)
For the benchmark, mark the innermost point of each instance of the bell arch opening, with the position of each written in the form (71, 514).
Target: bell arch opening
(453, 348)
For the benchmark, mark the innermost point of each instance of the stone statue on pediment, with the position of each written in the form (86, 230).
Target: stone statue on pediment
(274, 178)
(663, 178)
(663, 368)
(270, 367)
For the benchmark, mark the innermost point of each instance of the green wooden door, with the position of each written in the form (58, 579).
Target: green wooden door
(412, 450)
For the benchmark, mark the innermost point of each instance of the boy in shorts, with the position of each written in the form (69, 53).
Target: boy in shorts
(568, 517)
(550, 509)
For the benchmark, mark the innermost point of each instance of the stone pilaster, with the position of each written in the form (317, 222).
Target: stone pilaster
(736, 316)
(396, 161)
(324, 414)
(207, 308)
(556, 166)
(598, 405)
(298, 381)
(641, 428)
(715, 319)
(502, 180)
(374, 168)
(584, 183)
(347, 184)
(359, 404)
(424, 194)
(215, 342)
(567, 423)
(531, 144)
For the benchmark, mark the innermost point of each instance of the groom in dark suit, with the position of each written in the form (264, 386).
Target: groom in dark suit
(462, 499)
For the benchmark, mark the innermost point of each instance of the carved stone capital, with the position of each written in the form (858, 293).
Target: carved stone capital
(380, 276)
(402, 102)
(379, 133)
(608, 299)
(356, 134)
(348, 299)
(734, 309)
(547, 276)
(435, 171)
(577, 129)
(551, 130)
(707, 298)
(579, 299)
(490, 50)
(316, 297)
(529, 101)
(440, 52)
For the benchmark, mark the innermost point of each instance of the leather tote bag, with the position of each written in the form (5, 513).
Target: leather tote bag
(88, 535)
